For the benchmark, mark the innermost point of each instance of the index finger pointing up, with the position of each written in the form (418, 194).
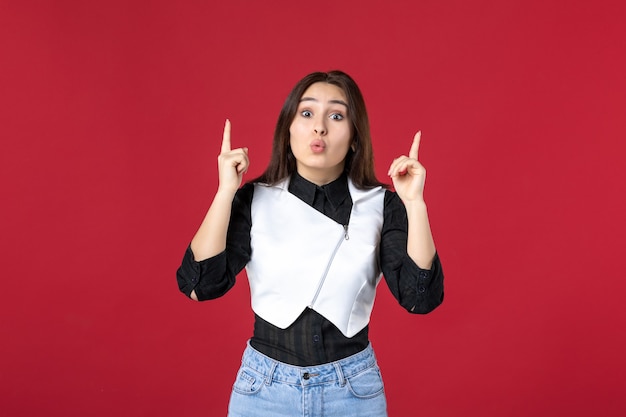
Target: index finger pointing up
(226, 137)
(415, 146)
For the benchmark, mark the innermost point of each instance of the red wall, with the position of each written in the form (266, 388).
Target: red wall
(111, 118)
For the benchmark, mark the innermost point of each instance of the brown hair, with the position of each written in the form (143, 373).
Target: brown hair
(359, 163)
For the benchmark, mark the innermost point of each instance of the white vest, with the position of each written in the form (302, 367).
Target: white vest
(301, 258)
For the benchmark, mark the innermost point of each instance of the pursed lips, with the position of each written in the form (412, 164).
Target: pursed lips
(318, 146)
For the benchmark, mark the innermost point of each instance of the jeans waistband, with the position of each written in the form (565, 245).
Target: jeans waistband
(274, 370)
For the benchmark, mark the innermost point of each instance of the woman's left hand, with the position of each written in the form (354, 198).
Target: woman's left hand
(408, 175)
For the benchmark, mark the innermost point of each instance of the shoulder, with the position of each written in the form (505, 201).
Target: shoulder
(392, 199)
(365, 193)
(255, 186)
(258, 191)
(244, 194)
(394, 210)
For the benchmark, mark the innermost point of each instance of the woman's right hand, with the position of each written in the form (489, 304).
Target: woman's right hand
(232, 164)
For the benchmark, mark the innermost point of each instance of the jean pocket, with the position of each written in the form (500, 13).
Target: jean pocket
(367, 384)
(248, 382)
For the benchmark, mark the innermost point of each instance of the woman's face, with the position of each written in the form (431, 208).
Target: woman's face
(321, 133)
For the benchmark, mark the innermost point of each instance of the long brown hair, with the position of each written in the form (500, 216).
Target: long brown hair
(359, 163)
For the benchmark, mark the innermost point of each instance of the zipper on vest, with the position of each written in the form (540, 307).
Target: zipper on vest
(330, 261)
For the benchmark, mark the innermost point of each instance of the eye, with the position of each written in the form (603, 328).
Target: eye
(306, 113)
(336, 116)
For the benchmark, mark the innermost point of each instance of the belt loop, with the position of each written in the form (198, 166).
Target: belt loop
(270, 374)
(342, 379)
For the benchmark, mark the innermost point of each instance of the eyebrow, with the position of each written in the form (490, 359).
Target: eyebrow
(330, 101)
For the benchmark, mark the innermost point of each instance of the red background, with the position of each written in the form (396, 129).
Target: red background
(111, 116)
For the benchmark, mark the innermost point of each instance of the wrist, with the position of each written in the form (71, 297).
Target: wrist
(225, 193)
(417, 204)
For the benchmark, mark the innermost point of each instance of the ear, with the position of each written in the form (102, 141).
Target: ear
(353, 146)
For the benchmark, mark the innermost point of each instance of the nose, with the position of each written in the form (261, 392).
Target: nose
(319, 125)
(320, 129)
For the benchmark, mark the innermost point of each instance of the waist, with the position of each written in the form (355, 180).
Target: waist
(310, 340)
(276, 371)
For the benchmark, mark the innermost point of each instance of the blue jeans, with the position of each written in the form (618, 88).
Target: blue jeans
(349, 387)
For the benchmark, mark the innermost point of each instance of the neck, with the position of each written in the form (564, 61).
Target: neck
(320, 177)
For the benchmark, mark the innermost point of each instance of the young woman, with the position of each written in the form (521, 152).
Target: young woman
(314, 232)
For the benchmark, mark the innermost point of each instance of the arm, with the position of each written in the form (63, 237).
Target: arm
(210, 239)
(212, 277)
(418, 290)
(408, 256)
